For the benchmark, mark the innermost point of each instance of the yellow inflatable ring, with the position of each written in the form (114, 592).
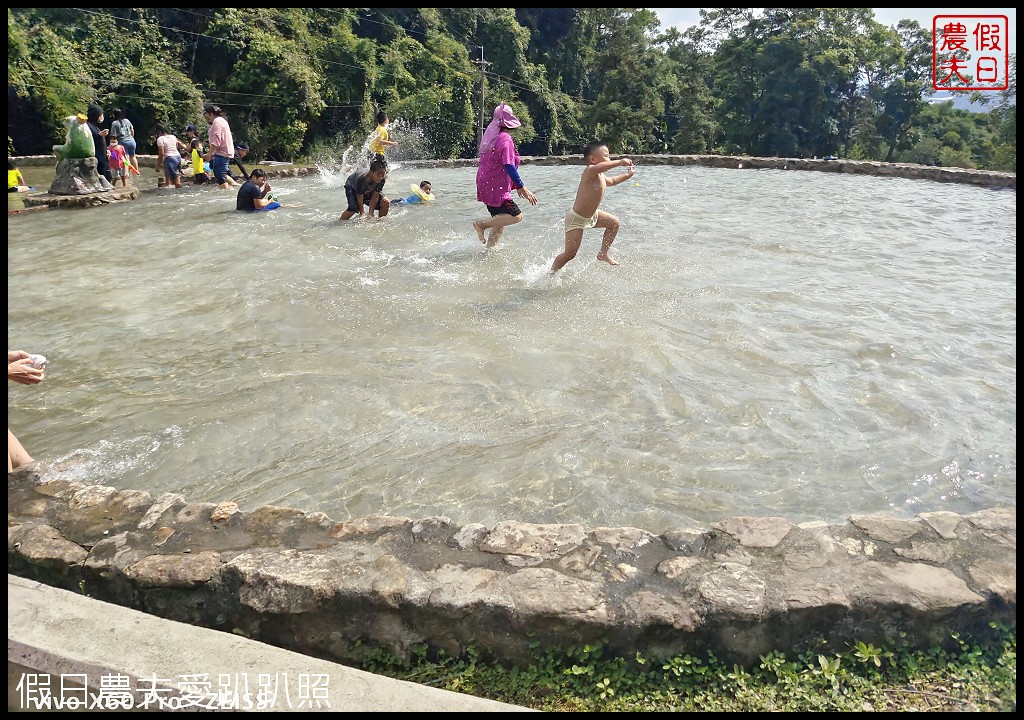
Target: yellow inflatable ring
(425, 197)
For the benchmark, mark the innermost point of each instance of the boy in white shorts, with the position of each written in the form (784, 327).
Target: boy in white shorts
(585, 213)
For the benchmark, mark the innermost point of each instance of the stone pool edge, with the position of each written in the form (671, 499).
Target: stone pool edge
(985, 178)
(338, 590)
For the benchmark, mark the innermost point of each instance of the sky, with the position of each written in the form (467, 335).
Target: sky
(684, 17)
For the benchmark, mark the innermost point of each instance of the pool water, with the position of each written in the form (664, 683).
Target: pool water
(802, 344)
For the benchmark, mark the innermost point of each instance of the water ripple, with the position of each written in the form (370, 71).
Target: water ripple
(774, 343)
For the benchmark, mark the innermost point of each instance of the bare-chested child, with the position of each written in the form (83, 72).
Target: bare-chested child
(585, 213)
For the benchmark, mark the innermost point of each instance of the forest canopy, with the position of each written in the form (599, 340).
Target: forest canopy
(302, 83)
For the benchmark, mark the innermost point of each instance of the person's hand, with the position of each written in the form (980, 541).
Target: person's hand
(626, 162)
(104, 133)
(21, 371)
(527, 195)
(13, 355)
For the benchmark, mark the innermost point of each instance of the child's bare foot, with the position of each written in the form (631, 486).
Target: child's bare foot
(479, 231)
(607, 258)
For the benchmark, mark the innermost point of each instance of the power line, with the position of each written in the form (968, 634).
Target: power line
(153, 99)
(513, 83)
(468, 45)
(361, 68)
(162, 27)
(481, 63)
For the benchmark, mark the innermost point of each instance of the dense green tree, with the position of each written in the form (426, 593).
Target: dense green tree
(899, 78)
(788, 77)
(629, 105)
(306, 82)
(432, 89)
(1001, 154)
(348, 90)
(273, 73)
(47, 81)
(691, 123)
(72, 58)
(564, 41)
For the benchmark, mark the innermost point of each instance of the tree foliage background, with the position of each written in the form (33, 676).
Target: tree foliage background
(302, 83)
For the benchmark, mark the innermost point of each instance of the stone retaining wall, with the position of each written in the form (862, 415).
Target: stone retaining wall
(985, 178)
(337, 589)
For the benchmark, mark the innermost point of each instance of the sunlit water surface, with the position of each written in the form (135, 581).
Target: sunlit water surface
(799, 344)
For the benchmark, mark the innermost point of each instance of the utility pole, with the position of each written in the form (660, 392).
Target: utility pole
(483, 64)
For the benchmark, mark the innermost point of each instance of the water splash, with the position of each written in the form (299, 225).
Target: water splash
(112, 460)
(412, 145)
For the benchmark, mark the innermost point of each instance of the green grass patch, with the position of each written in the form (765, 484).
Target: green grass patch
(965, 677)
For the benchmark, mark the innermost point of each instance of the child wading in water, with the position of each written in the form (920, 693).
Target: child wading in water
(421, 194)
(118, 162)
(381, 140)
(585, 213)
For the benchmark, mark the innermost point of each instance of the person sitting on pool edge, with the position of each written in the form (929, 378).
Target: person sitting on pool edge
(15, 180)
(254, 195)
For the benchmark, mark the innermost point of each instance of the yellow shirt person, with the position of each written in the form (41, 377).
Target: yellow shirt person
(381, 138)
(15, 180)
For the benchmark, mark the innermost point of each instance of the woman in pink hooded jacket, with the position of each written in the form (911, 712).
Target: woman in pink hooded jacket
(497, 174)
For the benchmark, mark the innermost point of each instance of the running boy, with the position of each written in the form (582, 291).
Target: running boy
(364, 191)
(585, 213)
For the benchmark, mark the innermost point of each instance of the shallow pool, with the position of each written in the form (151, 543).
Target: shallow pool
(801, 344)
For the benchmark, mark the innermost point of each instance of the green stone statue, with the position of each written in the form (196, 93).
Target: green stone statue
(79, 142)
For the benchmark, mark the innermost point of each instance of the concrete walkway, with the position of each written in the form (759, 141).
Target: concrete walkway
(128, 659)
